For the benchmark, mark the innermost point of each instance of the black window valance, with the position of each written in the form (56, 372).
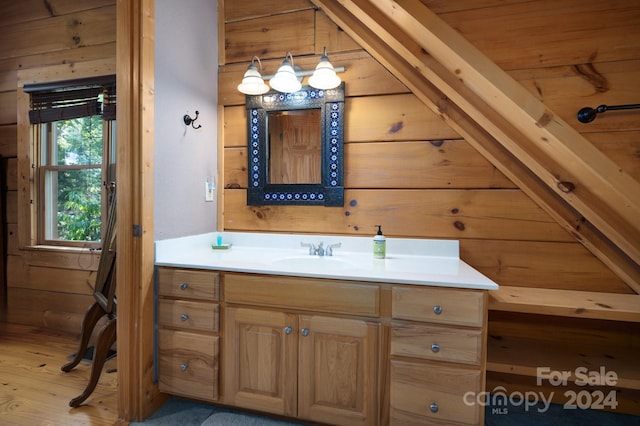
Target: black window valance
(69, 99)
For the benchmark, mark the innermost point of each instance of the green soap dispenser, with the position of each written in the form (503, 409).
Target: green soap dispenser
(379, 244)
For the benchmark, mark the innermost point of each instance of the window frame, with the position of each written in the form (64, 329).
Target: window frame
(27, 153)
(43, 134)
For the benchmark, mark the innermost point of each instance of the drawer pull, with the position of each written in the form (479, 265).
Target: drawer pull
(184, 286)
(305, 332)
(184, 366)
(437, 309)
(288, 330)
(433, 407)
(184, 317)
(435, 348)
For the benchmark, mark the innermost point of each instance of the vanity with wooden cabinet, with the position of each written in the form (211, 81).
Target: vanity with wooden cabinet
(188, 332)
(324, 348)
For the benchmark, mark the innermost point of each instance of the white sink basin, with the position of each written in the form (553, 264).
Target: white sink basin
(313, 262)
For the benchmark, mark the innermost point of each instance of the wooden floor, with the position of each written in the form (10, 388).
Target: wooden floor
(33, 389)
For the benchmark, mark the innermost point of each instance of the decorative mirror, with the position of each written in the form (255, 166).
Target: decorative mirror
(296, 147)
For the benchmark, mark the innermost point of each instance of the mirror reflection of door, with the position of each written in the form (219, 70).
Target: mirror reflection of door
(295, 146)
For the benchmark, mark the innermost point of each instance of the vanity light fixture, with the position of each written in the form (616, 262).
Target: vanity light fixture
(285, 79)
(288, 79)
(252, 82)
(324, 77)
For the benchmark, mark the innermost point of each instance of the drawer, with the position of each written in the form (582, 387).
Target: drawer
(190, 315)
(189, 283)
(428, 394)
(320, 295)
(437, 343)
(188, 364)
(439, 305)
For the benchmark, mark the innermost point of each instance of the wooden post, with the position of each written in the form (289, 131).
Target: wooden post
(138, 396)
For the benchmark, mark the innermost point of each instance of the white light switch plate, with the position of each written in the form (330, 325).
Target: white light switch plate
(209, 190)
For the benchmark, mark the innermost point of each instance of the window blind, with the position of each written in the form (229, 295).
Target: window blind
(66, 100)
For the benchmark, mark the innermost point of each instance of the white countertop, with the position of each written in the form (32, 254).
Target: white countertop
(408, 261)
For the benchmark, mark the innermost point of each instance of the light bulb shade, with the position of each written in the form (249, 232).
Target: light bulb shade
(285, 79)
(252, 83)
(324, 77)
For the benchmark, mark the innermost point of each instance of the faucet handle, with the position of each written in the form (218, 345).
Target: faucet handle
(330, 247)
(312, 248)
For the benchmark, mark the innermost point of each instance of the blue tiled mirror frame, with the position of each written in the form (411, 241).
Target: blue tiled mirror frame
(330, 192)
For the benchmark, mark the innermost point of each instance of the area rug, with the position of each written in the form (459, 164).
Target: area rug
(240, 419)
(183, 412)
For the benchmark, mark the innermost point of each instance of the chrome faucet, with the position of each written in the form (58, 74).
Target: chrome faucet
(319, 250)
(330, 247)
(312, 248)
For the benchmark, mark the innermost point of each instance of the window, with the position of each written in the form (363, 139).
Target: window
(73, 125)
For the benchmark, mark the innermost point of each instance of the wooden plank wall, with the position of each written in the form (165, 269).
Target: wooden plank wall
(406, 169)
(50, 288)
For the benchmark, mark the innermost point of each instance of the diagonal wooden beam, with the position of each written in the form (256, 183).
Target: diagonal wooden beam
(569, 164)
(371, 29)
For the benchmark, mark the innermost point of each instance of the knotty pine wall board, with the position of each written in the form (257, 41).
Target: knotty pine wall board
(11, 182)
(562, 330)
(238, 11)
(8, 140)
(12, 239)
(56, 279)
(567, 89)
(538, 34)
(64, 259)
(8, 108)
(89, 27)
(419, 164)
(402, 164)
(392, 117)
(8, 66)
(332, 37)
(400, 117)
(235, 168)
(505, 214)
(541, 264)
(12, 207)
(622, 147)
(23, 11)
(235, 126)
(37, 307)
(270, 37)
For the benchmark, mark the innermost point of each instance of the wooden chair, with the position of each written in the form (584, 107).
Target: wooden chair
(105, 304)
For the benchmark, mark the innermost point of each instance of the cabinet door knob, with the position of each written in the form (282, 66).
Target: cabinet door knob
(433, 407)
(184, 366)
(305, 331)
(184, 286)
(288, 330)
(437, 309)
(184, 317)
(435, 347)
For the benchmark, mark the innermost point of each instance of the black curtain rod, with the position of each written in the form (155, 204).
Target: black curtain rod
(588, 114)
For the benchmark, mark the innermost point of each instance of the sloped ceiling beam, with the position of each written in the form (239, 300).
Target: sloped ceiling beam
(576, 184)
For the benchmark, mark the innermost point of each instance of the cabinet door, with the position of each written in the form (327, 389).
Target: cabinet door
(338, 370)
(260, 359)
